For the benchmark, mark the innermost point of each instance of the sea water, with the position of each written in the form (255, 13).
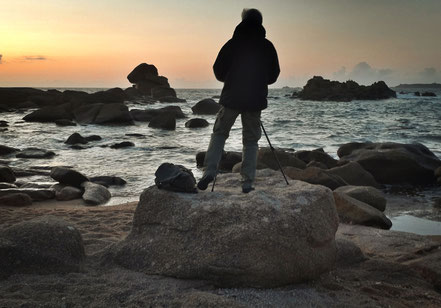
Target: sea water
(290, 123)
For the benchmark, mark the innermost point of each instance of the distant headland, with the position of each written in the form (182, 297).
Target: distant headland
(420, 85)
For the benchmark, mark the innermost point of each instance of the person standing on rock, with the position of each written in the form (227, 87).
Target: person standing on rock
(246, 65)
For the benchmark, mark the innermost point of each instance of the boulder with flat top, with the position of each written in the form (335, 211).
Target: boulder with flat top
(274, 236)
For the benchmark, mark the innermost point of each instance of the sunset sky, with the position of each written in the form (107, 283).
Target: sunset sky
(96, 43)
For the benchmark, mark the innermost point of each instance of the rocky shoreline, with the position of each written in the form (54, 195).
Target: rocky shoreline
(323, 240)
(371, 267)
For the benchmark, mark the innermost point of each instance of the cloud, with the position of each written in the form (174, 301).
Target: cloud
(1, 56)
(34, 58)
(364, 73)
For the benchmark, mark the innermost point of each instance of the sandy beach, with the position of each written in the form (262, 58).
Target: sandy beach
(99, 226)
(389, 276)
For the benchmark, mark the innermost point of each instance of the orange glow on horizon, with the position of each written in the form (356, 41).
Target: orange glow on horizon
(62, 43)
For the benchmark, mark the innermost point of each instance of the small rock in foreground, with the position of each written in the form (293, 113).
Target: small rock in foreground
(68, 193)
(95, 194)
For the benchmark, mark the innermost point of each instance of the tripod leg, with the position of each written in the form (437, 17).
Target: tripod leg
(274, 153)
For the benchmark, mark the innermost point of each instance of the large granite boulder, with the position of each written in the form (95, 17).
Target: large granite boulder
(7, 174)
(206, 106)
(393, 163)
(114, 113)
(43, 245)
(315, 175)
(354, 174)
(68, 176)
(320, 89)
(366, 194)
(274, 236)
(145, 77)
(142, 72)
(351, 210)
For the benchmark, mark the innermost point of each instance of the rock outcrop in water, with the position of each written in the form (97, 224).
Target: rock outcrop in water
(196, 123)
(102, 107)
(275, 236)
(320, 89)
(147, 81)
(206, 106)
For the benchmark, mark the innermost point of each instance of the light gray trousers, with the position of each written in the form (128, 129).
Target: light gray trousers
(251, 134)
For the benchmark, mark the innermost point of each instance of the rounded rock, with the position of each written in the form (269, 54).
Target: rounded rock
(41, 246)
(68, 176)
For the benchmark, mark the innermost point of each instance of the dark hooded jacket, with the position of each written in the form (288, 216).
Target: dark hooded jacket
(247, 64)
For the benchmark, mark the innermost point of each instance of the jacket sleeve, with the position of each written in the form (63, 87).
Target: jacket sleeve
(223, 61)
(274, 68)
